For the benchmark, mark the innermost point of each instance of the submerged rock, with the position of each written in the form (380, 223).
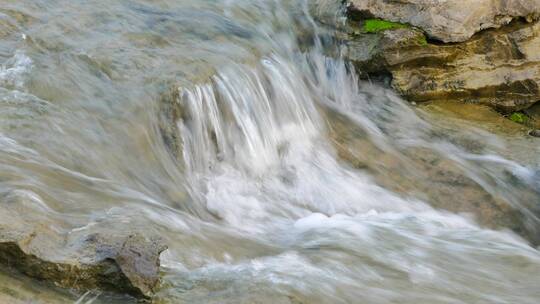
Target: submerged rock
(428, 175)
(43, 248)
(448, 20)
(17, 288)
(499, 68)
(170, 111)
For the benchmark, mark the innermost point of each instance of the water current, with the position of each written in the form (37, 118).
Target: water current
(292, 181)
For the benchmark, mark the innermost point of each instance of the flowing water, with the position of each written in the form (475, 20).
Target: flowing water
(259, 203)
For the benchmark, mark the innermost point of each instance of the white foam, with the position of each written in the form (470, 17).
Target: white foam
(257, 150)
(13, 72)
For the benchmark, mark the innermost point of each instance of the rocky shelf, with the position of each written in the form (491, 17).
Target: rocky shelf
(483, 52)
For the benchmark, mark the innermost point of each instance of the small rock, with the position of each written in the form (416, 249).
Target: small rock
(535, 133)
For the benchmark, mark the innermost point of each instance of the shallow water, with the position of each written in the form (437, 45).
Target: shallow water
(259, 205)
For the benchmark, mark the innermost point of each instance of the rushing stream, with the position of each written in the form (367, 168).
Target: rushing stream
(259, 204)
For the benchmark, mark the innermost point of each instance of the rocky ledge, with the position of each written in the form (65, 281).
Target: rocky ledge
(448, 20)
(42, 248)
(499, 67)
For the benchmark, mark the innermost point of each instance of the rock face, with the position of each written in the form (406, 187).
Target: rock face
(499, 68)
(448, 20)
(38, 247)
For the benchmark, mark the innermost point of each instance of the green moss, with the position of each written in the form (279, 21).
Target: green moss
(519, 117)
(379, 25)
(422, 40)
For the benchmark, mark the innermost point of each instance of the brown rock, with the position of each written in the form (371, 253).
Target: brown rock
(499, 68)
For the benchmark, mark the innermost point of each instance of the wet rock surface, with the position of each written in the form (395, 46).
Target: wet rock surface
(16, 288)
(448, 20)
(430, 176)
(43, 248)
(499, 68)
(170, 112)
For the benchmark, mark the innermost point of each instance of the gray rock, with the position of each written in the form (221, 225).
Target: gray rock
(535, 133)
(448, 20)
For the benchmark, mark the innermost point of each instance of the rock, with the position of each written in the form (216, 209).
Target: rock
(42, 248)
(17, 288)
(432, 177)
(535, 133)
(12, 22)
(170, 111)
(534, 113)
(448, 20)
(499, 68)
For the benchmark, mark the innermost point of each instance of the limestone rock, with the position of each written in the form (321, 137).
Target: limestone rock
(499, 68)
(448, 20)
(42, 248)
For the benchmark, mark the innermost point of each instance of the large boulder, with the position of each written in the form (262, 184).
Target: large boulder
(499, 68)
(448, 20)
(35, 244)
